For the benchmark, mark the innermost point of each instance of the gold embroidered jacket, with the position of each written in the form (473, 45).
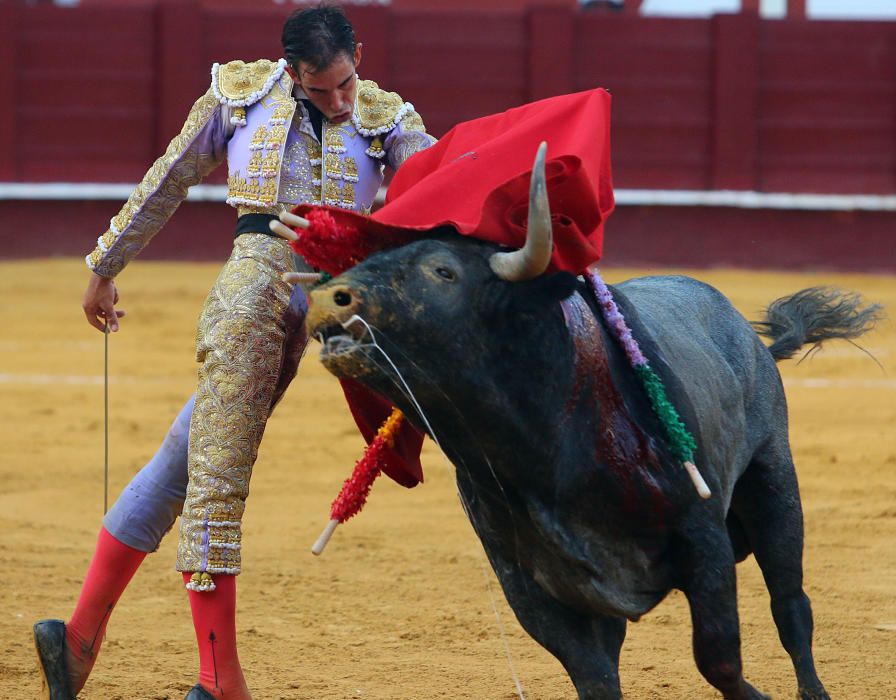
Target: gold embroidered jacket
(251, 117)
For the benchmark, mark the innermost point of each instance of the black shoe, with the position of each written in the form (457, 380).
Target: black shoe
(49, 642)
(197, 692)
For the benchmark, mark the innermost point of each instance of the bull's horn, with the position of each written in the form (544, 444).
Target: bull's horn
(533, 258)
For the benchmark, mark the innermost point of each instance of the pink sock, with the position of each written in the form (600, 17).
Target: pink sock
(112, 567)
(214, 619)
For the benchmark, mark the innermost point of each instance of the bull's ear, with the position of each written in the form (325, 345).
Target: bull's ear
(522, 303)
(555, 287)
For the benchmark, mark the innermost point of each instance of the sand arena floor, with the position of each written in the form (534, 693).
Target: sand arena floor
(400, 606)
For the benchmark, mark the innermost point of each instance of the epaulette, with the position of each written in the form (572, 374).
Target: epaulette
(378, 111)
(241, 84)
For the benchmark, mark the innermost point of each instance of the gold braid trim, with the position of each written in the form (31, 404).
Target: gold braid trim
(241, 84)
(378, 111)
(160, 192)
(413, 122)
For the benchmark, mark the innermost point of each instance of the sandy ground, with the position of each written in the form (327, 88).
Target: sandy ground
(402, 604)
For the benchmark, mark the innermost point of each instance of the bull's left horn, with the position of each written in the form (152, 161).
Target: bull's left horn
(533, 258)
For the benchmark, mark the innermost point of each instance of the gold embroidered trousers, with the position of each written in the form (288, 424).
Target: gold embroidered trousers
(243, 347)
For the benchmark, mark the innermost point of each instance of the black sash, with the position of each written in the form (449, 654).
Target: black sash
(254, 223)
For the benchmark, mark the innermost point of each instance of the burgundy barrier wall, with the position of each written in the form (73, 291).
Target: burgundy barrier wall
(94, 94)
(856, 241)
(733, 102)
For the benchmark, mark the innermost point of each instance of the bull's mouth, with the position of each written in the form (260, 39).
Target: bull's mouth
(339, 340)
(346, 338)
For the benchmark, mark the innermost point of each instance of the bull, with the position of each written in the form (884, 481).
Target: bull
(586, 516)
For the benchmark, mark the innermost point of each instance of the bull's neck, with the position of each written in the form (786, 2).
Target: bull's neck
(568, 429)
(507, 417)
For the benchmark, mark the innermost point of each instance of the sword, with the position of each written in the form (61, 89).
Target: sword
(106, 419)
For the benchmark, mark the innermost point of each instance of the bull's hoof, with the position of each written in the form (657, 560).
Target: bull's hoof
(49, 642)
(815, 694)
(759, 695)
(746, 692)
(598, 691)
(197, 692)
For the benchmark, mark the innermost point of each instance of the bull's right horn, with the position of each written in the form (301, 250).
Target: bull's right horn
(533, 258)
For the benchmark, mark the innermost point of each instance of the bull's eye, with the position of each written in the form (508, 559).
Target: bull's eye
(445, 273)
(342, 298)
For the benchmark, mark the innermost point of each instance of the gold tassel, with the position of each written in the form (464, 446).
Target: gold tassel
(201, 581)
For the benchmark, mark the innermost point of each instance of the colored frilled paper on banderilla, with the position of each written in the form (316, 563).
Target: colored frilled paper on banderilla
(353, 496)
(335, 246)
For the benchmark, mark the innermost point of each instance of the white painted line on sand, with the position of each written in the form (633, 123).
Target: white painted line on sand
(80, 379)
(846, 383)
(92, 380)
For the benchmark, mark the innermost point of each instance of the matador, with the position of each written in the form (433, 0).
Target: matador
(305, 129)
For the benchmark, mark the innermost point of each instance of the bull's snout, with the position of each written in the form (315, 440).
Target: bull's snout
(331, 305)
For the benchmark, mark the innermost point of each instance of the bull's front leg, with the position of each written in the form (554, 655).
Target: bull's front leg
(588, 647)
(711, 590)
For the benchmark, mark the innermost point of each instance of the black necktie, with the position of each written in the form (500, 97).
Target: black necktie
(317, 119)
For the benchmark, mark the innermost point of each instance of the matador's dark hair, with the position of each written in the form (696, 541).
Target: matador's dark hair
(316, 36)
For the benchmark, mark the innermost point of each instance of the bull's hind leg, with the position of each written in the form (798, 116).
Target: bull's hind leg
(767, 503)
(707, 561)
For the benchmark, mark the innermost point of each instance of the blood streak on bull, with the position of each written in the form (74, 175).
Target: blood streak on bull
(620, 443)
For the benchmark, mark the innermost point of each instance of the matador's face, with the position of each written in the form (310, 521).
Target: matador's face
(332, 89)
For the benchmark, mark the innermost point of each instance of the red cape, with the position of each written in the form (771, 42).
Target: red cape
(476, 180)
(370, 411)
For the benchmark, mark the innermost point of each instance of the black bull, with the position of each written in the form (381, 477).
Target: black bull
(584, 514)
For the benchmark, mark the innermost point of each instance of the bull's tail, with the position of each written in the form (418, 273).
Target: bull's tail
(814, 315)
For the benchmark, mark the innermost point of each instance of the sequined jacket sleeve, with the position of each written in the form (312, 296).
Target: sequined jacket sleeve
(407, 138)
(192, 154)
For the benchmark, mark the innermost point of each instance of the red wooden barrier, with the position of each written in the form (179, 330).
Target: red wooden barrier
(658, 72)
(828, 106)
(735, 102)
(183, 72)
(94, 93)
(455, 67)
(85, 97)
(858, 241)
(11, 21)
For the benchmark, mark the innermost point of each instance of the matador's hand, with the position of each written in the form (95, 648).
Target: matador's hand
(99, 303)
